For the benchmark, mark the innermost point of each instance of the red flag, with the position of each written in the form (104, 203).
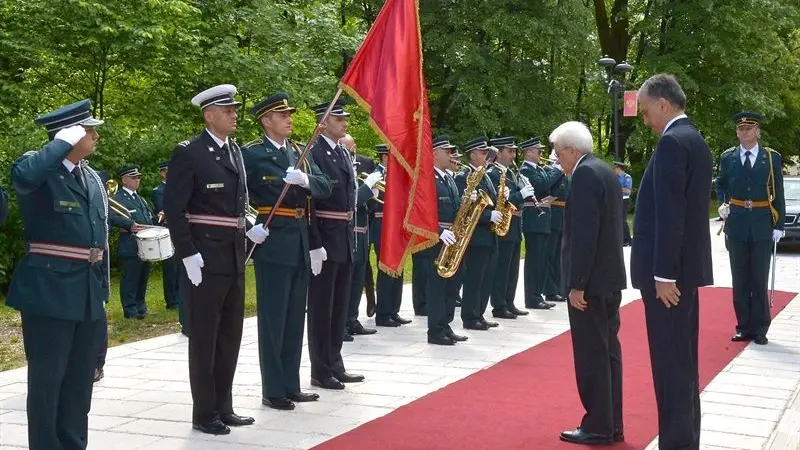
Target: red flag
(629, 110)
(385, 77)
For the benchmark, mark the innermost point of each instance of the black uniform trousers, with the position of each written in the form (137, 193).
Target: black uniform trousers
(61, 361)
(419, 272)
(598, 362)
(369, 279)
(504, 285)
(552, 278)
(626, 230)
(750, 262)
(441, 306)
(133, 286)
(281, 302)
(535, 266)
(454, 287)
(182, 303)
(478, 275)
(328, 301)
(171, 276)
(389, 293)
(102, 343)
(672, 334)
(356, 289)
(215, 311)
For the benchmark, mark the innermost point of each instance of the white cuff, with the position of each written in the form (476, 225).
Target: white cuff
(663, 280)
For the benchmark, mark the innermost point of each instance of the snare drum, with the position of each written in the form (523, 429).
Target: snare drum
(154, 244)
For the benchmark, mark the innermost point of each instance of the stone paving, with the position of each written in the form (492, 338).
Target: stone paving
(144, 400)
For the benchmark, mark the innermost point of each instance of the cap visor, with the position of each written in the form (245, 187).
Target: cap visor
(91, 122)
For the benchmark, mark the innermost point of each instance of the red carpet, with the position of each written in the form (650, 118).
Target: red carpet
(525, 401)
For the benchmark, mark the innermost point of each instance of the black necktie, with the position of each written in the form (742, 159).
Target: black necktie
(76, 172)
(747, 165)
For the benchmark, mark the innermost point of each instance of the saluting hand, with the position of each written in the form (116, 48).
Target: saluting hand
(668, 293)
(577, 300)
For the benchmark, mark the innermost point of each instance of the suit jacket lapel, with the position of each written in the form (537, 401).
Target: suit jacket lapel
(761, 159)
(217, 153)
(72, 183)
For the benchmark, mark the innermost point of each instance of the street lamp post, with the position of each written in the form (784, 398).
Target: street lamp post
(613, 88)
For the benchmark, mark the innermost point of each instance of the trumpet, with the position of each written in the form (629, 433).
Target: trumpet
(380, 186)
(113, 204)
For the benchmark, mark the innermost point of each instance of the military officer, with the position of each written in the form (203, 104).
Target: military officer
(536, 224)
(133, 283)
(504, 285)
(454, 288)
(361, 255)
(552, 277)
(61, 284)
(480, 257)
(751, 176)
(282, 264)
(441, 307)
(169, 266)
(389, 290)
(332, 243)
(206, 205)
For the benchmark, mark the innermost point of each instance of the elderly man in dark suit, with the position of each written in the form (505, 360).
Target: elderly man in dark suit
(671, 256)
(593, 277)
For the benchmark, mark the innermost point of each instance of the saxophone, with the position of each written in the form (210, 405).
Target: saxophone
(464, 224)
(504, 207)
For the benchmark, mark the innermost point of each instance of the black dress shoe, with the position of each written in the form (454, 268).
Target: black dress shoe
(761, 340)
(516, 311)
(214, 427)
(555, 298)
(619, 436)
(361, 331)
(581, 437)
(456, 337)
(345, 377)
(503, 314)
(540, 305)
(489, 324)
(386, 322)
(327, 383)
(476, 326)
(302, 397)
(280, 403)
(235, 420)
(400, 320)
(740, 337)
(347, 338)
(98, 375)
(440, 340)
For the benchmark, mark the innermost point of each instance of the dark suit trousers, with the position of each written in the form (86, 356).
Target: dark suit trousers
(133, 286)
(281, 300)
(535, 266)
(215, 311)
(389, 294)
(598, 362)
(672, 335)
(61, 361)
(552, 279)
(750, 269)
(328, 299)
(504, 283)
(418, 274)
(171, 282)
(356, 288)
(478, 275)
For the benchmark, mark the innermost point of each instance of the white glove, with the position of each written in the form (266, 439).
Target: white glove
(506, 192)
(448, 237)
(257, 233)
(724, 210)
(527, 191)
(72, 134)
(374, 193)
(295, 176)
(317, 256)
(777, 235)
(474, 196)
(497, 216)
(373, 178)
(193, 265)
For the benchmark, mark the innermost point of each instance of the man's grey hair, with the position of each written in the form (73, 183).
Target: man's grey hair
(664, 86)
(575, 135)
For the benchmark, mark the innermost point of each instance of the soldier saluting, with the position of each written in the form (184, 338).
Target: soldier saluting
(61, 284)
(206, 204)
(751, 175)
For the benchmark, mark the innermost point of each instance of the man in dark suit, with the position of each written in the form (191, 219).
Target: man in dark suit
(135, 272)
(671, 256)
(61, 284)
(594, 277)
(332, 243)
(206, 204)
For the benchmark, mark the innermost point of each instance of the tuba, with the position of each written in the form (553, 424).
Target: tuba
(113, 204)
(464, 224)
(504, 207)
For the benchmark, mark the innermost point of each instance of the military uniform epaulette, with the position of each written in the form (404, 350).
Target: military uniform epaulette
(252, 143)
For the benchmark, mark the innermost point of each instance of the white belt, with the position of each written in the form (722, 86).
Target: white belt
(218, 221)
(362, 230)
(66, 251)
(379, 215)
(445, 224)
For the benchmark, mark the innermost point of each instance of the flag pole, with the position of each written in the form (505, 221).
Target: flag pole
(303, 156)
